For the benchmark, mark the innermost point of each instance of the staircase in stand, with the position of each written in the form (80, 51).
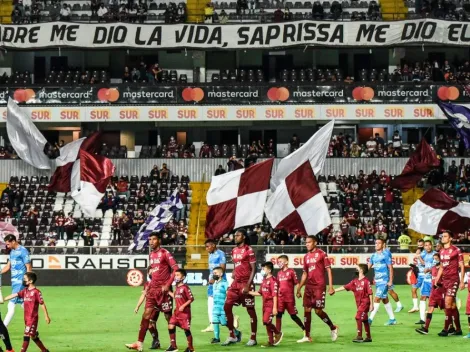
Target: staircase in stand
(196, 255)
(393, 10)
(195, 10)
(6, 8)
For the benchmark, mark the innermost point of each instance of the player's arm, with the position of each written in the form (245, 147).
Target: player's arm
(252, 275)
(139, 303)
(339, 289)
(46, 314)
(371, 306)
(254, 293)
(303, 280)
(6, 268)
(330, 280)
(172, 294)
(174, 266)
(462, 272)
(10, 297)
(275, 289)
(439, 274)
(190, 300)
(390, 270)
(29, 267)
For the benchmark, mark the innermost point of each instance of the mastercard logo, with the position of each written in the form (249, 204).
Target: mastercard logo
(192, 94)
(108, 94)
(278, 94)
(448, 93)
(23, 95)
(363, 93)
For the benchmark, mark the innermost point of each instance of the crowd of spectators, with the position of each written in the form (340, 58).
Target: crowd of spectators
(443, 9)
(434, 71)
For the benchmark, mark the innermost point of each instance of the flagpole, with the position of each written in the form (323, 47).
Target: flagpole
(199, 210)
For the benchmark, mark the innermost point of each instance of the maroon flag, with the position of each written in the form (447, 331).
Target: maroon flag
(423, 160)
(60, 180)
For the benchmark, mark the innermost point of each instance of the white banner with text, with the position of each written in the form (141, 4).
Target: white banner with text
(234, 36)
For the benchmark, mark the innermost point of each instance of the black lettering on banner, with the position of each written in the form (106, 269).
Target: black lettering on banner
(110, 35)
(257, 36)
(309, 32)
(180, 35)
(89, 264)
(140, 263)
(289, 33)
(202, 33)
(37, 263)
(155, 37)
(323, 34)
(108, 263)
(64, 32)
(20, 34)
(244, 38)
(458, 32)
(273, 33)
(420, 30)
(216, 36)
(338, 34)
(369, 31)
(71, 261)
(7, 35)
(123, 263)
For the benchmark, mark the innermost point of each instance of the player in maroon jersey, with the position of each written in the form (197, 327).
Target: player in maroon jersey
(436, 299)
(287, 279)
(162, 268)
(467, 312)
(182, 316)
(244, 261)
(32, 298)
(269, 290)
(315, 264)
(452, 272)
(362, 290)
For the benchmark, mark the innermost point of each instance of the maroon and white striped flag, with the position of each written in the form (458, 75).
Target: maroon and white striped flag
(237, 198)
(435, 211)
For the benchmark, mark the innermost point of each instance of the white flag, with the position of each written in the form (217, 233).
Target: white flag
(25, 138)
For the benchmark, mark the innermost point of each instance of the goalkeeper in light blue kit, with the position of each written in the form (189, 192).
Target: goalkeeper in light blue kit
(220, 288)
(19, 264)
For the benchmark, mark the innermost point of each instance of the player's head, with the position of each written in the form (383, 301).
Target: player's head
(436, 259)
(379, 244)
(428, 246)
(240, 237)
(29, 278)
(446, 237)
(180, 275)
(420, 243)
(268, 268)
(210, 246)
(362, 269)
(154, 240)
(10, 241)
(311, 242)
(217, 273)
(282, 261)
(438, 246)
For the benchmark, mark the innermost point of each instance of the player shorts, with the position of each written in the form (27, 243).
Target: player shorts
(218, 316)
(419, 282)
(381, 291)
(15, 288)
(436, 299)
(159, 300)
(362, 315)
(236, 297)
(268, 313)
(289, 306)
(181, 320)
(426, 288)
(450, 287)
(31, 328)
(314, 297)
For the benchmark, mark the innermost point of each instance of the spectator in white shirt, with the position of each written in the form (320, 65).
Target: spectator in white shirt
(65, 13)
(371, 145)
(132, 14)
(102, 12)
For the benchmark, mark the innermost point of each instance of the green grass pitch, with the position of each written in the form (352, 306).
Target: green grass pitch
(101, 319)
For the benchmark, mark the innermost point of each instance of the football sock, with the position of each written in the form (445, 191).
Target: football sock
(415, 303)
(456, 318)
(172, 333)
(469, 323)
(39, 343)
(448, 320)
(279, 322)
(273, 328)
(144, 325)
(5, 335)
(399, 305)
(229, 315)
(422, 310)
(216, 331)
(189, 337)
(270, 335)
(307, 322)
(253, 322)
(428, 320)
(153, 331)
(297, 320)
(10, 313)
(359, 327)
(326, 319)
(374, 312)
(24, 348)
(389, 310)
(367, 328)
